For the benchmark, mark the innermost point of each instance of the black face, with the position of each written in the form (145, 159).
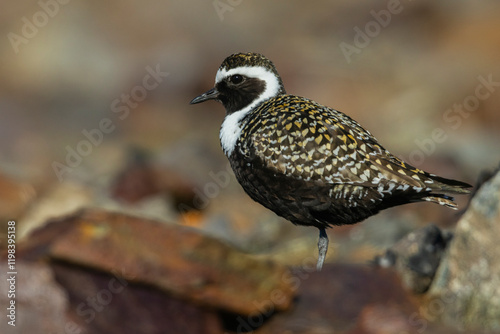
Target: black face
(238, 91)
(234, 92)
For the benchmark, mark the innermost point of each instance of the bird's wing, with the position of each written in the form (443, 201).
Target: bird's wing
(328, 166)
(305, 140)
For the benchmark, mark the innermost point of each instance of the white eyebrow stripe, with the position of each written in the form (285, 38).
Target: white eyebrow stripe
(259, 72)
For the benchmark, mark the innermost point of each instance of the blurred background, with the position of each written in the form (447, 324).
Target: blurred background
(94, 106)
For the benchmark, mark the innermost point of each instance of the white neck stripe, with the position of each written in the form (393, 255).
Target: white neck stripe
(231, 129)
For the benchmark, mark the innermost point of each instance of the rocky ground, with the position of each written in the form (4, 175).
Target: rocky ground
(128, 218)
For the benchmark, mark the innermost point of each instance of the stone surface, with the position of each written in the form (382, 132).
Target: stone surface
(175, 259)
(351, 299)
(468, 279)
(383, 319)
(331, 301)
(143, 178)
(103, 303)
(40, 302)
(61, 199)
(15, 196)
(417, 256)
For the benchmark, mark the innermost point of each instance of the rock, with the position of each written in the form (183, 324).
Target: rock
(175, 259)
(62, 199)
(136, 181)
(416, 257)
(331, 301)
(15, 196)
(62, 298)
(104, 303)
(40, 302)
(142, 178)
(467, 282)
(348, 299)
(383, 319)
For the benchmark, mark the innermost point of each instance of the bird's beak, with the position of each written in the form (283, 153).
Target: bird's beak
(212, 94)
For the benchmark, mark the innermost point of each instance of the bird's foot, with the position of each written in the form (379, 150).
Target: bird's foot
(322, 248)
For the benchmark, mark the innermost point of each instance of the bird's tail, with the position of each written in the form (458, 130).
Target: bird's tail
(442, 199)
(449, 186)
(444, 186)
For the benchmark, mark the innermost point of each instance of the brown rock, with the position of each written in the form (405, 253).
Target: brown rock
(176, 259)
(15, 196)
(331, 301)
(468, 279)
(142, 178)
(137, 181)
(61, 199)
(383, 319)
(102, 303)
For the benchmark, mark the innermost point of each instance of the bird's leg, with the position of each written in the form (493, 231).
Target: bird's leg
(322, 248)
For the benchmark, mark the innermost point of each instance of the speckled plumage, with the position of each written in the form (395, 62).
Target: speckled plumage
(316, 166)
(309, 163)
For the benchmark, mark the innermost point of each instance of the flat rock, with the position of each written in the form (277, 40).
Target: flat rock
(178, 260)
(103, 303)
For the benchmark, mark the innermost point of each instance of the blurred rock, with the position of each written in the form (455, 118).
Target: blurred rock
(40, 302)
(468, 279)
(142, 178)
(349, 299)
(417, 256)
(15, 196)
(331, 301)
(383, 319)
(175, 259)
(61, 199)
(103, 303)
(136, 181)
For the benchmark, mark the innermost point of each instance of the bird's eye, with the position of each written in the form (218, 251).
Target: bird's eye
(236, 79)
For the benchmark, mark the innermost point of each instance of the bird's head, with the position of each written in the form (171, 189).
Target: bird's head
(244, 80)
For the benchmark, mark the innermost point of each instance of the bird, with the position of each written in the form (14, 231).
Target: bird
(309, 163)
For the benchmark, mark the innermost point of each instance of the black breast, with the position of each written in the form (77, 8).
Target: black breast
(311, 203)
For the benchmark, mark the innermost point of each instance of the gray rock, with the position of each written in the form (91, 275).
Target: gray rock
(416, 257)
(467, 283)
